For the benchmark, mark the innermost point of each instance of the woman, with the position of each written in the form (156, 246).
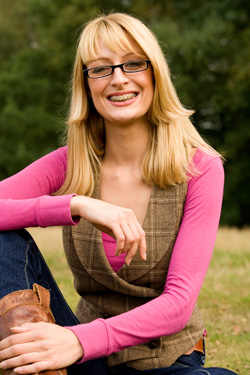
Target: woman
(147, 189)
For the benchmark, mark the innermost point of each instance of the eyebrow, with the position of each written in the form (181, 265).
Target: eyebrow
(126, 55)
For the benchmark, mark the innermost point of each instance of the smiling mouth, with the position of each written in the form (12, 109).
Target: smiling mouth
(122, 98)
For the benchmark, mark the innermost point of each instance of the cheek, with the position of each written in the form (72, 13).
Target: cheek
(99, 103)
(95, 87)
(149, 92)
(95, 92)
(92, 89)
(149, 85)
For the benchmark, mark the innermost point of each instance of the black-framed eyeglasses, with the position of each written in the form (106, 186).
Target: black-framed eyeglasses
(133, 66)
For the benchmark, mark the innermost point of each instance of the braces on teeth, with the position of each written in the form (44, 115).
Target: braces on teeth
(120, 98)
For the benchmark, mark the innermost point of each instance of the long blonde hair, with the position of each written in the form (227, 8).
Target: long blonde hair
(167, 159)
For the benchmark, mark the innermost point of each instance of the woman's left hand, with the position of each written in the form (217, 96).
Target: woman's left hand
(36, 347)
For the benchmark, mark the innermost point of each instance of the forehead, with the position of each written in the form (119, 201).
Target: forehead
(101, 46)
(105, 53)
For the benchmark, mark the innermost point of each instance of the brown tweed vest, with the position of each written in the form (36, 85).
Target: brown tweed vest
(106, 293)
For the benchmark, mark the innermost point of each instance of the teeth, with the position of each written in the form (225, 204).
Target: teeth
(121, 98)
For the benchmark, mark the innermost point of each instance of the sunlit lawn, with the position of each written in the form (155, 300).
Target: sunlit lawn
(224, 299)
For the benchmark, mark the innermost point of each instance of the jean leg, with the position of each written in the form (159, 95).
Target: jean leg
(190, 362)
(13, 261)
(22, 265)
(172, 370)
(185, 365)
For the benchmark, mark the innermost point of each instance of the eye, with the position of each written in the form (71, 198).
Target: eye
(100, 70)
(135, 65)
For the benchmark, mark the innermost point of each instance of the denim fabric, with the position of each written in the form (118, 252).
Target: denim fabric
(185, 365)
(22, 265)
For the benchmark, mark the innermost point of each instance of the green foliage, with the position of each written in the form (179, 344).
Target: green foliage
(206, 43)
(38, 53)
(209, 56)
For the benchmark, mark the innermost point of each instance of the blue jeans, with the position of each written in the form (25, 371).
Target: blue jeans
(22, 265)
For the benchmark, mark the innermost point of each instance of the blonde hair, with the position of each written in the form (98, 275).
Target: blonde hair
(167, 159)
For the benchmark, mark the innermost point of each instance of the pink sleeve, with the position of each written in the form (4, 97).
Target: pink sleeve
(170, 312)
(25, 198)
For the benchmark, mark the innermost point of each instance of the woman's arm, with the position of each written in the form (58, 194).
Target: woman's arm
(167, 314)
(170, 312)
(25, 198)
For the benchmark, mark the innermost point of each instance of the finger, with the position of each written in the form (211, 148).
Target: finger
(140, 238)
(142, 244)
(33, 368)
(15, 351)
(28, 326)
(128, 231)
(139, 234)
(120, 239)
(20, 329)
(131, 253)
(131, 236)
(131, 243)
(20, 338)
(10, 341)
(19, 360)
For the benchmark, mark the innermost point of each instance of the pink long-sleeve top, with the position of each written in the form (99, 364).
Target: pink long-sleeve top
(26, 201)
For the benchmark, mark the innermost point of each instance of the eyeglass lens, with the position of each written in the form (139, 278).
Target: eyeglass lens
(128, 67)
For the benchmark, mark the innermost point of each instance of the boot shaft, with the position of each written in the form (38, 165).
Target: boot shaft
(25, 306)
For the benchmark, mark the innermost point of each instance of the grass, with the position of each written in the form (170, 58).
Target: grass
(224, 300)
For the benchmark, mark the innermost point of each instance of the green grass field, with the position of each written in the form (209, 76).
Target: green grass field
(224, 299)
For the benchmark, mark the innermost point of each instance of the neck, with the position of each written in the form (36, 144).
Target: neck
(126, 145)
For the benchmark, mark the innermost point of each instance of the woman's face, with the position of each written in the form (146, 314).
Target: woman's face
(121, 98)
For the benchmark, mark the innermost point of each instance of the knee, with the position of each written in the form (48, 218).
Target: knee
(15, 239)
(17, 263)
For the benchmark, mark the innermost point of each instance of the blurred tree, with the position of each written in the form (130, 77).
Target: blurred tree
(208, 51)
(37, 53)
(206, 43)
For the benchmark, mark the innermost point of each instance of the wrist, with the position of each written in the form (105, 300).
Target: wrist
(78, 206)
(74, 206)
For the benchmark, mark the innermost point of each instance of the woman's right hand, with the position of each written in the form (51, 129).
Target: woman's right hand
(118, 222)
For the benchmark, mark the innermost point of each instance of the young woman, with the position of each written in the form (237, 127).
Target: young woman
(138, 193)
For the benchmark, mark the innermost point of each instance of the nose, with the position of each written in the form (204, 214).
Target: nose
(119, 76)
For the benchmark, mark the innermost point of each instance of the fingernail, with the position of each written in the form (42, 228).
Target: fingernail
(2, 364)
(128, 262)
(18, 370)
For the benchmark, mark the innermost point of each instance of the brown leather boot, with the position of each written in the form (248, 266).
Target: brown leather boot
(26, 306)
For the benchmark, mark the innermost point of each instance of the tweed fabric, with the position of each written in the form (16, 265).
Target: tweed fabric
(106, 293)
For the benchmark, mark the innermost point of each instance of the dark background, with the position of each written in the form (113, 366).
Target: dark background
(206, 43)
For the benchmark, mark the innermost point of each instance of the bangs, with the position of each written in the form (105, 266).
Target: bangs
(114, 36)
